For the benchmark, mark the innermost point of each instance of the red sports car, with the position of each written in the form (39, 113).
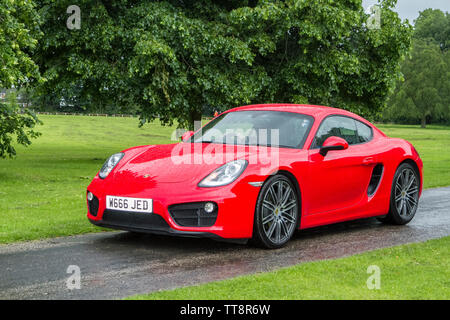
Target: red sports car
(260, 172)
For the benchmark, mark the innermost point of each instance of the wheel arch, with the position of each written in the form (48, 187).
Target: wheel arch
(393, 216)
(256, 239)
(296, 184)
(415, 167)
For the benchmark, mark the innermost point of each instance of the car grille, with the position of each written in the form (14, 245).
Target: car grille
(135, 220)
(193, 215)
(93, 206)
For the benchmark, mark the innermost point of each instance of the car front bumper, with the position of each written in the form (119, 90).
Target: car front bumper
(234, 214)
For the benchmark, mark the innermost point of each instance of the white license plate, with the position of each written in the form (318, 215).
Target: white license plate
(129, 204)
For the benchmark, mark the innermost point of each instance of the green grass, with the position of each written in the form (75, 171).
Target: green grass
(415, 271)
(432, 144)
(42, 191)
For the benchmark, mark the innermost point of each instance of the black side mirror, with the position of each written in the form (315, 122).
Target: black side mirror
(333, 143)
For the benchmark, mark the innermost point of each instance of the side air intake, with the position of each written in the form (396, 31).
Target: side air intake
(375, 180)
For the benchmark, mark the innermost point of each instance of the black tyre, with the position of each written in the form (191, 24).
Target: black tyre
(277, 213)
(404, 195)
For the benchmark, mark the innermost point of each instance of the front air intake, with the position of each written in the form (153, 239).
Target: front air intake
(93, 206)
(193, 214)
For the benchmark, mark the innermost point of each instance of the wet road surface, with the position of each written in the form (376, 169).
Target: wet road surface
(119, 264)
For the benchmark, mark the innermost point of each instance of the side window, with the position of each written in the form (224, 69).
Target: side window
(337, 126)
(365, 133)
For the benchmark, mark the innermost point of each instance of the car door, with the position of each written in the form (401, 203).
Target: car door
(340, 179)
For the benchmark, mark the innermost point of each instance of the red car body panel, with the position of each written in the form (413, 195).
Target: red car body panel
(332, 188)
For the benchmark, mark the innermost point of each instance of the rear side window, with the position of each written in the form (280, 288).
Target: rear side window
(337, 126)
(365, 133)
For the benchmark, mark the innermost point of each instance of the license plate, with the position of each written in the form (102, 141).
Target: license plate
(129, 204)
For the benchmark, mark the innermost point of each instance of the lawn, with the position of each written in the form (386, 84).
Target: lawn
(432, 144)
(42, 191)
(414, 271)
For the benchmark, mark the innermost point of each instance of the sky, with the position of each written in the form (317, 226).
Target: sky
(409, 9)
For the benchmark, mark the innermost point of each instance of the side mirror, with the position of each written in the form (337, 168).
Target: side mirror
(333, 143)
(187, 135)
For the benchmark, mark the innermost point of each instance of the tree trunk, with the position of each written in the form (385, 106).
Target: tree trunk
(424, 122)
(194, 116)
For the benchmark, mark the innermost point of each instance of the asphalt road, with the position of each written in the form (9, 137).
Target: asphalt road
(119, 264)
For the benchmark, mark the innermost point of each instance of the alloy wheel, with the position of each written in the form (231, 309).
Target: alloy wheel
(406, 193)
(279, 212)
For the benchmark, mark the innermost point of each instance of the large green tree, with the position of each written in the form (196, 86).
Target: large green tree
(433, 25)
(170, 59)
(424, 92)
(18, 32)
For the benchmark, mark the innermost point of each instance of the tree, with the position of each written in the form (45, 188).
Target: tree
(173, 59)
(426, 87)
(18, 32)
(433, 25)
(425, 92)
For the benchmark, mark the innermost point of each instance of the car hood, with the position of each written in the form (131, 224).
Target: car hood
(175, 162)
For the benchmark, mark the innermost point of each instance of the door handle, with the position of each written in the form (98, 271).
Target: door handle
(368, 161)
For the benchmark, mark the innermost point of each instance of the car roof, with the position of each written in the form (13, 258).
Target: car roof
(312, 110)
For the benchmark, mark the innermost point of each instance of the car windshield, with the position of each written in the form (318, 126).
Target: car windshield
(262, 128)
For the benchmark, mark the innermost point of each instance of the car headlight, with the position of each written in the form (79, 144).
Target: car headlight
(225, 174)
(110, 164)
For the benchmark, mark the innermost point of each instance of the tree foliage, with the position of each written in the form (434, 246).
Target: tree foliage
(18, 31)
(424, 92)
(170, 59)
(433, 25)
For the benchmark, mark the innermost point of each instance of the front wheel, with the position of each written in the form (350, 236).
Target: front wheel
(277, 213)
(404, 195)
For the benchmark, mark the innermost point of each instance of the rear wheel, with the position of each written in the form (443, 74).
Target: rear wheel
(277, 213)
(404, 195)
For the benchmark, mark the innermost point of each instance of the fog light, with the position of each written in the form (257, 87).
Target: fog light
(209, 207)
(90, 196)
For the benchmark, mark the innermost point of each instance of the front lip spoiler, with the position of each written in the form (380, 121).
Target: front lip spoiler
(166, 232)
